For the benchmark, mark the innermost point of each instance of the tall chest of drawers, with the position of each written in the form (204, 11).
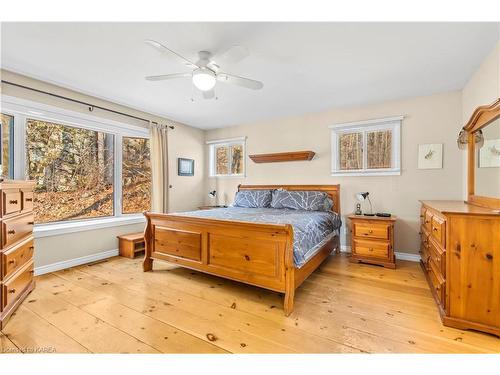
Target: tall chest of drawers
(16, 245)
(460, 251)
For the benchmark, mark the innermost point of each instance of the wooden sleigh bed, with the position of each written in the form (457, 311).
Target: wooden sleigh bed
(253, 253)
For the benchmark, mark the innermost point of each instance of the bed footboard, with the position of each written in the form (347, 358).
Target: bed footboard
(253, 253)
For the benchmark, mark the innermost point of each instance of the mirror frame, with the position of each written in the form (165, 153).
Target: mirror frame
(481, 117)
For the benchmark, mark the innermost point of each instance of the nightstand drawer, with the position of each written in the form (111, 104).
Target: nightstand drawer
(371, 230)
(373, 249)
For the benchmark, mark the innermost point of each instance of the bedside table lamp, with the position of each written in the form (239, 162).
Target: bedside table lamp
(364, 196)
(213, 194)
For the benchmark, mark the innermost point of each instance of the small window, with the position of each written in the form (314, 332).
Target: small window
(73, 171)
(367, 147)
(227, 157)
(136, 175)
(6, 144)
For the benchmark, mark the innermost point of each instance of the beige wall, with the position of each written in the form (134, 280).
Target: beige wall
(187, 192)
(483, 87)
(431, 119)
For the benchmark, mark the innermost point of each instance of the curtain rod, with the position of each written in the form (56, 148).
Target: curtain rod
(89, 105)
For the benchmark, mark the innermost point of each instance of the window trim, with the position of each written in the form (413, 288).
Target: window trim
(226, 142)
(392, 123)
(10, 144)
(22, 109)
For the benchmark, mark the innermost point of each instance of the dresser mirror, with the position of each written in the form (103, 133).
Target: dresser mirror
(483, 149)
(487, 166)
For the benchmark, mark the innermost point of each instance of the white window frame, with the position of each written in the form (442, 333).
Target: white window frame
(23, 109)
(226, 142)
(364, 127)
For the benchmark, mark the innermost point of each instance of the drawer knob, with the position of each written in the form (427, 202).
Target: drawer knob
(31, 223)
(12, 291)
(29, 199)
(434, 229)
(32, 248)
(427, 222)
(12, 261)
(371, 248)
(370, 231)
(247, 257)
(13, 201)
(12, 231)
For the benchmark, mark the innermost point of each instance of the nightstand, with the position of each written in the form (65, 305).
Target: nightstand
(210, 207)
(372, 240)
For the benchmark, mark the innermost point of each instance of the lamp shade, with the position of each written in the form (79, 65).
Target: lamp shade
(362, 196)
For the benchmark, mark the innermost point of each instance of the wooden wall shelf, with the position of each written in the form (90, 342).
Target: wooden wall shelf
(283, 156)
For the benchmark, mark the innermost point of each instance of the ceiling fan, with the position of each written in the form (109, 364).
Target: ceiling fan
(206, 72)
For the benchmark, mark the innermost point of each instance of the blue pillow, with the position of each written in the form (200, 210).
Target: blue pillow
(253, 198)
(299, 200)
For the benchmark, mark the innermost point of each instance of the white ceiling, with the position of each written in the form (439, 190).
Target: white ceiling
(305, 67)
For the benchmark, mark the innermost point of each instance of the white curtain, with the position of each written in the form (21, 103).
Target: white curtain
(159, 167)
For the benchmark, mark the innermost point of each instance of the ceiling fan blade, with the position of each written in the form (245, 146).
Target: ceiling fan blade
(168, 76)
(210, 94)
(240, 81)
(234, 54)
(161, 48)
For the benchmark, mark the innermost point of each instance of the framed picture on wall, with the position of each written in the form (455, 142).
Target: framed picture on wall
(185, 167)
(430, 156)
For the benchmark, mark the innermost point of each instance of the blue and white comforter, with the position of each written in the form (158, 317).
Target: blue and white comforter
(311, 229)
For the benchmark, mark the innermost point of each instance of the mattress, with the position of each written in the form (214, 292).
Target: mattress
(311, 229)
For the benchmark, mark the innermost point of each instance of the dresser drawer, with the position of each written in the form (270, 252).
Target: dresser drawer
(373, 249)
(424, 247)
(439, 229)
(438, 256)
(422, 215)
(13, 288)
(16, 228)
(11, 201)
(15, 258)
(372, 230)
(437, 281)
(428, 220)
(27, 199)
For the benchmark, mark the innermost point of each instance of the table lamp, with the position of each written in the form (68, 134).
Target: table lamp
(364, 196)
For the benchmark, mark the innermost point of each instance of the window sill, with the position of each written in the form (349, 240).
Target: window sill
(55, 229)
(358, 174)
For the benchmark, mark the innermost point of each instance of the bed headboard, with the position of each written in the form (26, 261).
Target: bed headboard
(333, 191)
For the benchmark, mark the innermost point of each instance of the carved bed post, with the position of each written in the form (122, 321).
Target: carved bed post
(147, 264)
(289, 274)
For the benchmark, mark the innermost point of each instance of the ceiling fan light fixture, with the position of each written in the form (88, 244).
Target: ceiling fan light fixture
(204, 79)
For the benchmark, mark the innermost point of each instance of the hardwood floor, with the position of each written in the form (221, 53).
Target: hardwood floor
(113, 307)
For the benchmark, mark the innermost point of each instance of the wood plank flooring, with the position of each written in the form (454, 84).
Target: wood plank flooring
(114, 307)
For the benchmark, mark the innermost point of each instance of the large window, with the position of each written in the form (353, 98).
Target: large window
(6, 157)
(227, 157)
(73, 170)
(367, 147)
(85, 168)
(136, 175)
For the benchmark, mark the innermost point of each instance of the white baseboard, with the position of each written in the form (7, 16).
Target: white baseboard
(75, 262)
(399, 255)
(407, 256)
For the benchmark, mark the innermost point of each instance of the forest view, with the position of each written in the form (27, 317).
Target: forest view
(74, 172)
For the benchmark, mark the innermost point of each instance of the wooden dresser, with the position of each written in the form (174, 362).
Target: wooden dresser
(372, 240)
(16, 245)
(460, 250)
